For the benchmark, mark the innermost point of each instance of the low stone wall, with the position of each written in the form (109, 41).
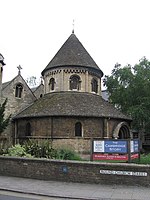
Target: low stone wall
(75, 171)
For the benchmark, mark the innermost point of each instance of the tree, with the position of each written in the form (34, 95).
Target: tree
(3, 121)
(129, 91)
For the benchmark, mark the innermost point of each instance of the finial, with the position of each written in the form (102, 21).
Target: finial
(19, 69)
(73, 27)
(2, 59)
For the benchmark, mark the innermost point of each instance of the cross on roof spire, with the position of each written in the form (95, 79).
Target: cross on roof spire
(19, 69)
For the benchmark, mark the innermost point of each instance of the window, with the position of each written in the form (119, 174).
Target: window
(78, 129)
(28, 129)
(94, 85)
(52, 84)
(18, 90)
(75, 82)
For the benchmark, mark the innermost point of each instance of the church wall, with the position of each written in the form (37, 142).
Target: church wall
(39, 91)
(39, 127)
(65, 127)
(62, 78)
(62, 130)
(14, 104)
(80, 145)
(61, 127)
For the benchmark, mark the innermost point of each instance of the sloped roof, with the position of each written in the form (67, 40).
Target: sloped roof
(71, 104)
(5, 84)
(72, 53)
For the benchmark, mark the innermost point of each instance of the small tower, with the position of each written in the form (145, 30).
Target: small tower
(1, 73)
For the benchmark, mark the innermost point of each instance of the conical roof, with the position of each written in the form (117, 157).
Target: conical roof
(72, 53)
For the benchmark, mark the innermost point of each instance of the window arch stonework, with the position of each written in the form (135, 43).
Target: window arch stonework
(18, 90)
(52, 84)
(78, 129)
(75, 82)
(94, 85)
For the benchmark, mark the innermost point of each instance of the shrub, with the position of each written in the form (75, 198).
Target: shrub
(67, 154)
(17, 150)
(145, 159)
(40, 149)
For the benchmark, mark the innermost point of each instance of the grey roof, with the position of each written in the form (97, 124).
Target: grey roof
(72, 53)
(71, 104)
(5, 84)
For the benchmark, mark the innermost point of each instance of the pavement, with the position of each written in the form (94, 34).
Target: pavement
(73, 190)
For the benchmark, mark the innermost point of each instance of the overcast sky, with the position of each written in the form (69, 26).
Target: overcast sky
(32, 31)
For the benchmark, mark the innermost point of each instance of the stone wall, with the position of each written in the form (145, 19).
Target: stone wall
(62, 77)
(61, 126)
(74, 171)
(14, 104)
(62, 130)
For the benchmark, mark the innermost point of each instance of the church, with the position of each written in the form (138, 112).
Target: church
(67, 108)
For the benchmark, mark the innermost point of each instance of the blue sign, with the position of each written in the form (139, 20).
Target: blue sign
(135, 146)
(115, 146)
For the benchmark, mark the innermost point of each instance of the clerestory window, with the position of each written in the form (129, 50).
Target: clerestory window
(94, 85)
(75, 82)
(52, 84)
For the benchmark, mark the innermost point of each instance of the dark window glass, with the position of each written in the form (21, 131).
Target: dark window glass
(18, 91)
(94, 85)
(78, 129)
(52, 84)
(75, 82)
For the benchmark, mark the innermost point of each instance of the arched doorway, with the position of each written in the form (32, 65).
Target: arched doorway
(122, 131)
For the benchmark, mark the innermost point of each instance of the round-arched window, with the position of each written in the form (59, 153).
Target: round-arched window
(94, 85)
(78, 129)
(52, 84)
(75, 82)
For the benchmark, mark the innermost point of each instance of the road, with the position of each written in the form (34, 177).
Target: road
(5, 195)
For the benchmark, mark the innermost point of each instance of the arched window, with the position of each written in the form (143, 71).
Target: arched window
(52, 84)
(18, 90)
(94, 85)
(78, 129)
(75, 82)
(28, 129)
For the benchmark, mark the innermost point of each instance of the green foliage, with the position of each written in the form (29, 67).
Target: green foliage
(3, 122)
(67, 154)
(40, 149)
(34, 148)
(18, 150)
(145, 159)
(129, 90)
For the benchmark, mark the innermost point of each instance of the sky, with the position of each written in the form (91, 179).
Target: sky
(112, 31)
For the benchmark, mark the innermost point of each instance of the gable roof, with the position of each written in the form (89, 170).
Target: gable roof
(72, 53)
(6, 84)
(71, 104)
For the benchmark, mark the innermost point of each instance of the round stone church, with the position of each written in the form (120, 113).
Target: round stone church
(71, 111)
